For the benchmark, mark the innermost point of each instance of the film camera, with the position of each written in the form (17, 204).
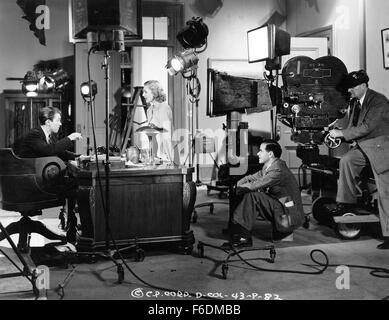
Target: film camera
(313, 99)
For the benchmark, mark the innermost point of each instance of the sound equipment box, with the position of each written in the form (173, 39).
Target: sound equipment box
(107, 15)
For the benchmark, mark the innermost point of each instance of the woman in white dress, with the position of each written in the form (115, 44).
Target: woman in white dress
(160, 115)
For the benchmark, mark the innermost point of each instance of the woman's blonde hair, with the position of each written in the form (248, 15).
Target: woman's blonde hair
(156, 89)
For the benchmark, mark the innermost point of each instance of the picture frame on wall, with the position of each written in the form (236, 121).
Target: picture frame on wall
(385, 47)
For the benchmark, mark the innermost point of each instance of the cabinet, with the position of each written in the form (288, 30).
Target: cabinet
(21, 114)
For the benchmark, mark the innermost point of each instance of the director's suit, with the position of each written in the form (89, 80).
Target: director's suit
(271, 189)
(371, 134)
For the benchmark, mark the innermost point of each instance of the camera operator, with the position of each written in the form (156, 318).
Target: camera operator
(368, 127)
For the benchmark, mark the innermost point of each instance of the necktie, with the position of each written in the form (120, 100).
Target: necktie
(357, 111)
(51, 140)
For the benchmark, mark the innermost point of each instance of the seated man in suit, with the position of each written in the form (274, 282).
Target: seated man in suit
(43, 142)
(271, 193)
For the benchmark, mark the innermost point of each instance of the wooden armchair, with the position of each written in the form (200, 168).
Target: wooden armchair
(25, 187)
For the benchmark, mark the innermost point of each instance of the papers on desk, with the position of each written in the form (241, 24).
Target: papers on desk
(130, 164)
(100, 157)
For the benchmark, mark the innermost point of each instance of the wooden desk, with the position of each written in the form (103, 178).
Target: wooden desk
(146, 206)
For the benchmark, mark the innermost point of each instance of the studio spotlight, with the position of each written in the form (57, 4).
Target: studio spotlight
(126, 92)
(30, 85)
(183, 62)
(56, 80)
(194, 35)
(46, 84)
(88, 91)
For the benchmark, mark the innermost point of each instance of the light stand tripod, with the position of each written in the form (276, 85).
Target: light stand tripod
(193, 89)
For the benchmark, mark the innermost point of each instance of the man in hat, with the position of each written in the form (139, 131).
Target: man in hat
(369, 128)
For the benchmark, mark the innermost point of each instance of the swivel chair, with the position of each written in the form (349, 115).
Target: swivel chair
(24, 188)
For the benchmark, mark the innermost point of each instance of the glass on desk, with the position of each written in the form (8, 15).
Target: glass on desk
(144, 156)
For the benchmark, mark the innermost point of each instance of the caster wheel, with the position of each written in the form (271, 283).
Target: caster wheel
(120, 272)
(194, 217)
(224, 270)
(272, 255)
(90, 259)
(348, 231)
(140, 255)
(188, 250)
(200, 249)
(306, 222)
(321, 210)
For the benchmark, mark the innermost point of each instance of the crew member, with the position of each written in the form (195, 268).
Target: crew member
(271, 193)
(369, 129)
(159, 115)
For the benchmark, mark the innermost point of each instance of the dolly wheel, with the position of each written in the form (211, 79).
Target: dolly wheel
(348, 231)
(120, 272)
(140, 255)
(224, 270)
(200, 249)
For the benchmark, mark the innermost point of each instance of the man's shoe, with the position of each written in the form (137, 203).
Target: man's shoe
(239, 241)
(384, 245)
(342, 208)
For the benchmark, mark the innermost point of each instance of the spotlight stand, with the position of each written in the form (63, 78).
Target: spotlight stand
(193, 124)
(198, 181)
(105, 66)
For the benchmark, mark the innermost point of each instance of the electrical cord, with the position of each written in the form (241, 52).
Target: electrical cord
(378, 272)
(375, 270)
(325, 265)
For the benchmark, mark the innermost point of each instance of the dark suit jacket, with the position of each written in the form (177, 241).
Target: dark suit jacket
(279, 182)
(372, 130)
(34, 145)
